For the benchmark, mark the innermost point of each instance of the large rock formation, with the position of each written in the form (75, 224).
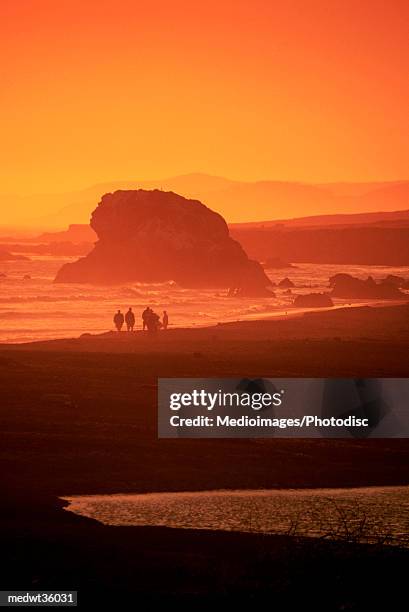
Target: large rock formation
(154, 236)
(397, 281)
(347, 286)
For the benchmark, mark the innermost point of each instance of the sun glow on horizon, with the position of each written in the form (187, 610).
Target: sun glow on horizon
(309, 92)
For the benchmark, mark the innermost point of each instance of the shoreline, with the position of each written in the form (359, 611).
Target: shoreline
(348, 312)
(69, 501)
(300, 489)
(277, 313)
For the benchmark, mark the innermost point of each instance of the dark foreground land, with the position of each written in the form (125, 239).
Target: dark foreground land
(79, 416)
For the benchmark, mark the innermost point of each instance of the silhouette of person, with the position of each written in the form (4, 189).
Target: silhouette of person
(145, 317)
(119, 320)
(153, 321)
(130, 320)
(165, 320)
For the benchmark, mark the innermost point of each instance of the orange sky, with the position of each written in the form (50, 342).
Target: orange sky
(310, 90)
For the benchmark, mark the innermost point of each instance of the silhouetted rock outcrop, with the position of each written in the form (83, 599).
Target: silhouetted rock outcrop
(313, 300)
(397, 281)
(286, 283)
(154, 236)
(347, 286)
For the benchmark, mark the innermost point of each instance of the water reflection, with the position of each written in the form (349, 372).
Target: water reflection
(375, 514)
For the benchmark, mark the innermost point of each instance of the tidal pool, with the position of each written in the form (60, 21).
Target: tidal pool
(371, 514)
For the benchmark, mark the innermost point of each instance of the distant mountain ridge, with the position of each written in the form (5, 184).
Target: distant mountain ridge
(236, 201)
(380, 219)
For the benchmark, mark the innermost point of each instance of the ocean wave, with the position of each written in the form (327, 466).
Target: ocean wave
(169, 283)
(259, 308)
(51, 299)
(58, 314)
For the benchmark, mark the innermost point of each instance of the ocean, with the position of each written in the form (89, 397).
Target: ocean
(36, 308)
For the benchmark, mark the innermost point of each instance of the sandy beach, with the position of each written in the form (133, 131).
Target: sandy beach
(82, 402)
(79, 417)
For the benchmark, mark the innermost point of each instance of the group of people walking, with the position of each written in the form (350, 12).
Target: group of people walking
(151, 321)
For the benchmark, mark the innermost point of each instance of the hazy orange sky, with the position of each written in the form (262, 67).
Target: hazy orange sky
(309, 90)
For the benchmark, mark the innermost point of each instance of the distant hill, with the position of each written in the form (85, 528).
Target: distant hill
(377, 238)
(382, 242)
(236, 201)
(380, 219)
(272, 200)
